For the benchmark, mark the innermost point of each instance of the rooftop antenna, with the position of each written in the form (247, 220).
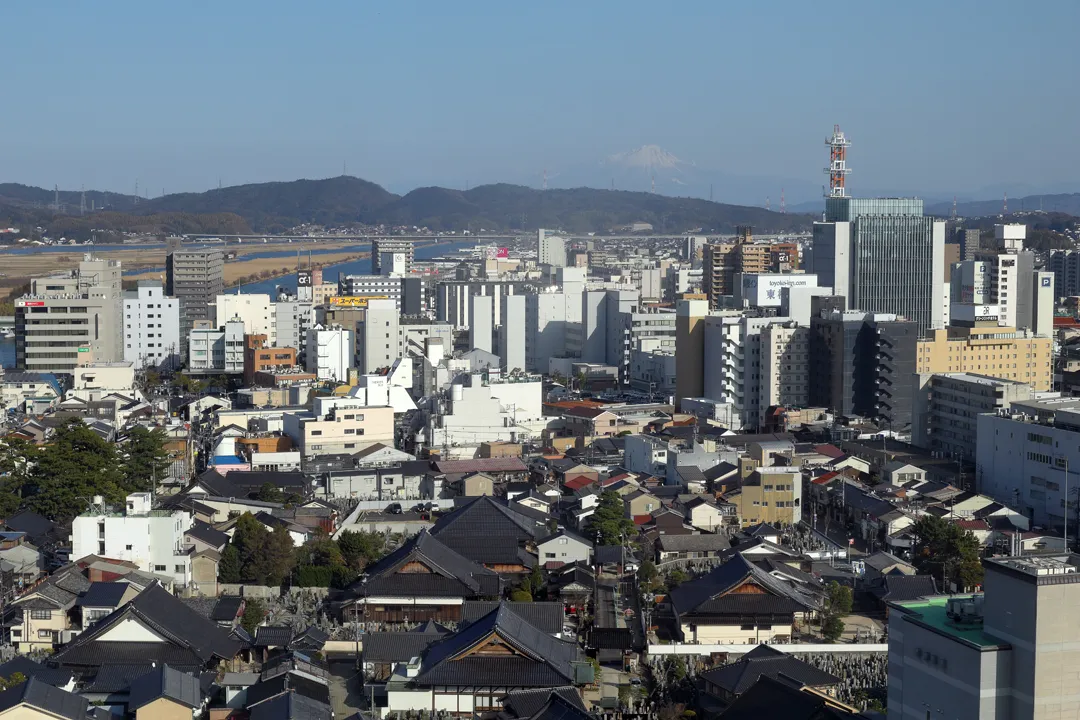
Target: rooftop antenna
(837, 169)
(783, 203)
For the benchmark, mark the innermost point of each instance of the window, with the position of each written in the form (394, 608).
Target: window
(41, 614)
(44, 633)
(350, 431)
(127, 547)
(160, 568)
(316, 432)
(549, 555)
(179, 569)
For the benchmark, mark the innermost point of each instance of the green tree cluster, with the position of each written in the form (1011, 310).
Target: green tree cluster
(325, 562)
(60, 478)
(257, 555)
(254, 614)
(838, 602)
(609, 521)
(947, 551)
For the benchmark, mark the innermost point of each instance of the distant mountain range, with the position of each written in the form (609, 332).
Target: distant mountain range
(651, 168)
(1068, 203)
(278, 206)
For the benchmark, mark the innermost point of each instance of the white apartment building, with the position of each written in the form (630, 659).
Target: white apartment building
(338, 425)
(785, 367)
(480, 410)
(372, 286)
(512, 334)
(946, 408)
(652, 370)
(480, 331)
(292, 320)
(329, 352)
(733, 369)
(151, 327)
(256, 311)
(152, 539)
(1027, 456)
(384, 336)
(212, 349)
(452, 299)
(550, 249)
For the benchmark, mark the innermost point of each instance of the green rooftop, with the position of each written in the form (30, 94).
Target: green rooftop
(930, 613)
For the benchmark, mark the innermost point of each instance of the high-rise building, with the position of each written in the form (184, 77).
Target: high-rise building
(884, 255)
(862, 364)
(970, 241)
(216, 349)
(975, 343)
(947, 406)
(329, 352)
(371, 286)
(71, 319)
(512, 333)
(1065, 264)
(480, 331)
(151, 327)
(718, 267)
(195, 277)
(785, 367)
(690, 349)
(550, 249)
(391, 245)
(724, 260)
(1009, 652)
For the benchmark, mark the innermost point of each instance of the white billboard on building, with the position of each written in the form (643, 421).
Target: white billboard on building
(764, 290)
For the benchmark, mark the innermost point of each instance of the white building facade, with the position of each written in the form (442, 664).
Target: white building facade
(151, 327)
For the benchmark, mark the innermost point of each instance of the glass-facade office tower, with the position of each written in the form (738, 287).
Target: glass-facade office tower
(884, 256)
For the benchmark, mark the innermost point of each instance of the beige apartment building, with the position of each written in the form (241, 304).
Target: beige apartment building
(339, 426)
(769, 495)
(785, 366)
(991, 350)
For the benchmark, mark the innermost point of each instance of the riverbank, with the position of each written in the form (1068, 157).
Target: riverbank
(17, 269)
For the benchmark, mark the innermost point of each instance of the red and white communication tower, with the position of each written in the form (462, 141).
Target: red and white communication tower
(838, 169)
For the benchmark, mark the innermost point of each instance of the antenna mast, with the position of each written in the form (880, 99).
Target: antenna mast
(838, 169)
(1005, 204)
(783, 203)
(767, 203)
(82, 201)
(954, 207)
(545, 178)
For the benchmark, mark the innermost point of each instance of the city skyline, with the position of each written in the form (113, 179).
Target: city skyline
(421, 95)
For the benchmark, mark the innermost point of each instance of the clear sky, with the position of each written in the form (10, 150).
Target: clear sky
(946, 97)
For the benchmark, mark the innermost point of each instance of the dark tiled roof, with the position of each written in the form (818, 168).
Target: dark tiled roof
(689, 596)
(227, 609)
(719, 471)
(191, 636)
(165, 682)
(43, 696)
(558, 707)
(763, 660)
(898, 588)
(311, 640)
(291, 706)
(485, 529)
(396, 647)
(527, 703)
(544, 660)
(547, 616)
(290, 683)
(481, 465)
(772, 699)
(103, 595)
(761, 530)
(28, 668)
(273, 636)
(207, 533)
(610, 639)
(31, 523)
(451, 573)
(114, 678)
(694, 543)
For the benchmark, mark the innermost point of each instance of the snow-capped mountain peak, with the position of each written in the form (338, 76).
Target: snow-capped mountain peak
(650, 157)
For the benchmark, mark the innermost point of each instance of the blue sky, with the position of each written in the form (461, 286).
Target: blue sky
(952, 97)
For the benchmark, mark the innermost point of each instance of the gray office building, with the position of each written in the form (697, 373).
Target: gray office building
(884, 256)
(195, 277)
(863, 364)
(71, 319)
(390, 245)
